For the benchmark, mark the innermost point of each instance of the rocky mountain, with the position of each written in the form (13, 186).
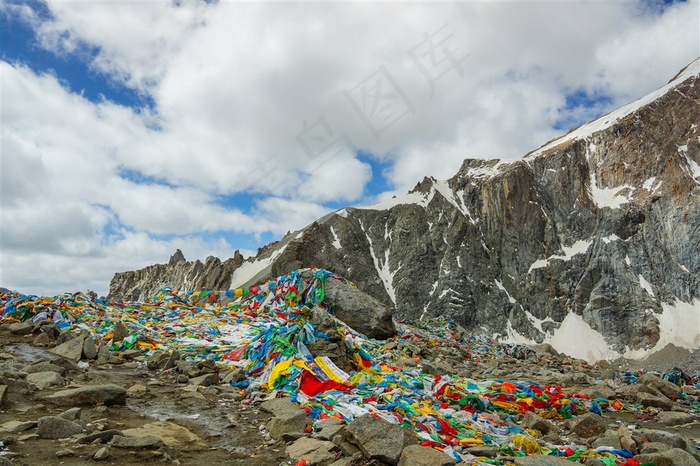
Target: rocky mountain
(590, 243)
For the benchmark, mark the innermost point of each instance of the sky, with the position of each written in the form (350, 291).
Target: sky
(133, 128)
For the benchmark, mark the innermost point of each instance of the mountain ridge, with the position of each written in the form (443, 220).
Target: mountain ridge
(596, 231)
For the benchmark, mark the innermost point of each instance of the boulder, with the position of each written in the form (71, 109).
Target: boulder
(359, 310)
(71, 349)
(415, 455)
(661, 402)
(43, 367)
(588, 425)
(21, 328)
(285, 423)
(137, 391)
(669, 438)
(328, 428)
(44, 380)
(172, 435)
(315, 452)
(72, 414)
(674, 418)
(42, 339)
(3, 394)
(15, 427)
(533, 421)
(89, 348)
(662, 386)
(137, 443)
(101, 454)
(54, 427)
(204, 380)
(119, 333)
(379, 440)
(626, 440)
(108, 395)
(104, 436)
(610, 438)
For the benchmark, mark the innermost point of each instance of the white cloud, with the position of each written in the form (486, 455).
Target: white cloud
(232, 86)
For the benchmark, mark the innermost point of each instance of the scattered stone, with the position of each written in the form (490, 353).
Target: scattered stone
(12, 370)
(120, 332)
(140, 442)
(379, 440)
(71, 349)
(665, 387)
(137, 391)
(204, 380)
(653, 447)
(533, 421)
(661, 402)
(54, 427)
(674, 418)
(89, 348)
(44, 367)
(103, 436)
(172, 435)
(328, 428)
(172, 360)
(42, 339)
(64, 336)
(626, 440)
(609, 439)
(15, 427)
(287, 422)
(44, 380)
(436, 368)
(589, 425)
(415, 455)
(103, 354)
(157, 360)
(315, 452)
(348, 449)
(101, 454)
(22, 328)
(669, 438)
(108, 395)
(236, 375)
(72, 414)
(279, 406)
(64, 453)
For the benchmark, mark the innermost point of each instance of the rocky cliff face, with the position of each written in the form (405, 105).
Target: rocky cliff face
(178, 273)
(591, 242)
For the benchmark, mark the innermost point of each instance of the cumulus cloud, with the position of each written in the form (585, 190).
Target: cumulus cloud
(276, 100)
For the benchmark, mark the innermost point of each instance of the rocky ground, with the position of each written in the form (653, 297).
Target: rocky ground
(123, 409)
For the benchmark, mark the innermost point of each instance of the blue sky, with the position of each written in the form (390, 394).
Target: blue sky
(133, 129)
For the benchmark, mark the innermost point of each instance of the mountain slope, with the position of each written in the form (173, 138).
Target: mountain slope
(590, 242)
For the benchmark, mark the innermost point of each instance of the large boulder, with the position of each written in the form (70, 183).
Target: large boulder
(358, 310)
